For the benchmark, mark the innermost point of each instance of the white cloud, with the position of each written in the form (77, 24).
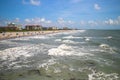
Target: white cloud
(27, 20)
(42, 19)
(61, 20)
(97, 7)
(48, 21)
(108, 22)
(92, 23)
(35, 2)
(39, 21)
(112, 21)
(32, 2)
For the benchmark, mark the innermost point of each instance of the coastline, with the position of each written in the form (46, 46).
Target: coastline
(9, 35)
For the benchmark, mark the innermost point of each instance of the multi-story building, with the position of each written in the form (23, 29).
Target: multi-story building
(33, 27)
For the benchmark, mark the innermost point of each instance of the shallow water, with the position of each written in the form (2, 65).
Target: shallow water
(77, 55)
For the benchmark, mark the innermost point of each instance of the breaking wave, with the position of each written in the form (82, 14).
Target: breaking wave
(65, 50)
(68, 41)
(72, 37)
(38, 37)
(13, 53)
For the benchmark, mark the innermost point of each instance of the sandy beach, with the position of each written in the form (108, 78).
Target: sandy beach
(8, 35)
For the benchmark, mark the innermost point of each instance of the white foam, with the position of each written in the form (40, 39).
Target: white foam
(69, 41)
(105, 46)
(68, 37)
(47, 64)
(109, 37)
(71, 37)
(13, 53)
(39, 37)
(65, 50)
(21, 38)
(81, 31)
(65, 47)
(62, 50)
(87, 39)
(102, 76)
(58, 40)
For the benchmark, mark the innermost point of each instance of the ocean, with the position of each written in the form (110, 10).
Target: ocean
(72, 55)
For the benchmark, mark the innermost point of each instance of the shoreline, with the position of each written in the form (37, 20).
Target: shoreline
(10, 35)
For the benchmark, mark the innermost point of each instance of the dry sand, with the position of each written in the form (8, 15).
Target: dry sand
(8, 35)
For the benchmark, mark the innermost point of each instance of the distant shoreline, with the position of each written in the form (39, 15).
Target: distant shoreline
(9, 35)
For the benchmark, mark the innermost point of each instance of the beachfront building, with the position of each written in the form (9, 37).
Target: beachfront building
(52, 28)
(10, 27)
(6, 28)
(13, 26)
(33, 27)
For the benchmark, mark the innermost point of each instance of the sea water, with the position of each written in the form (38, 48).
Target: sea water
(76, 55)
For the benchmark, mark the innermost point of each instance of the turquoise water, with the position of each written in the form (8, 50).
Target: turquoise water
(75, 55)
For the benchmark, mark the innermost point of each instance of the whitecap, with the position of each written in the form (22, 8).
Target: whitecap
(87, 39)
(58, 40)
(105, 46)
(13, 53)
(81, 31)
(21, 38)
(65, 47)
(109, 37)
(72, 37)
(68, 41)
(39, 37)
(102, 76)
(62, 50)
(65, 50)
(16, 52)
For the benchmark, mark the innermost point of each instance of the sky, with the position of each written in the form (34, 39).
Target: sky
(81, 14)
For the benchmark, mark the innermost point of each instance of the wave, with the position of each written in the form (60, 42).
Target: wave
(61, 50)
(87, 39)
(21, 38)
(58, 40)
(72, 37)
(81, 31)
(65, 50)
(13, 53)
(109, 37)
(38, 37)
(66, 41)
(105, 46)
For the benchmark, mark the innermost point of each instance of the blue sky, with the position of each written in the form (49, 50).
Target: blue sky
(82, 14)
